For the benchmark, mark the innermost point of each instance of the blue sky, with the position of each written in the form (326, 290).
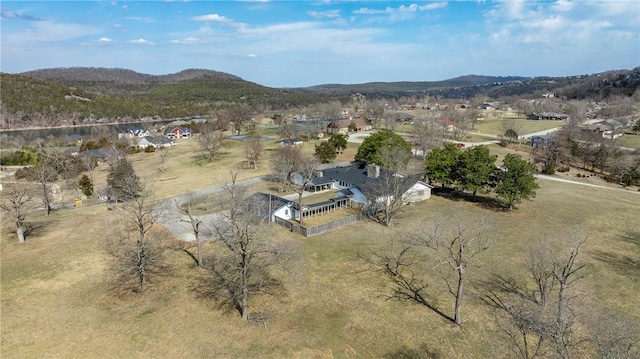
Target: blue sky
(303, 43)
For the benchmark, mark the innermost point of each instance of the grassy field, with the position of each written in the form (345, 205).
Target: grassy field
(56, 303)
(631, 141)
(495, 126)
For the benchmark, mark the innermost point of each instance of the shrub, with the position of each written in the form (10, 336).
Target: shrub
(563, 168)
(149, 149)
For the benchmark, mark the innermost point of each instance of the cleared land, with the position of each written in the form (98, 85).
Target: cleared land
(56, 301)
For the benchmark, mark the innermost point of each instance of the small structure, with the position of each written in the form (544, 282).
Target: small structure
(290, 142)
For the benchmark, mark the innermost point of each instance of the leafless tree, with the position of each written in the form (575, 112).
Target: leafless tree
(427, 134)
(16, 205)
(241, 266)
(238, 116)
(284, 162)
(187, 209)
(459, 242)
(462, 121)
(374, 111)
(163, 152)
(253, 149)
(45, 174)
(211, 140)
(387, 193)
(301, 178)
(138, 254)
(615, 336)
(456, 244)
(540, 315)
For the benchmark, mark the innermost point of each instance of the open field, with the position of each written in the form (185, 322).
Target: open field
(495, 126)
(55, 299)
(631, 141)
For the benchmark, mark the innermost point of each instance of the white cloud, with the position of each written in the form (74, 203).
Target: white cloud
(187, 41)
(212, 18)
(105, 40)
(433, 6)
(141, 42)
(367, 11)
(140, 18)
(251, 55)
(324, 14)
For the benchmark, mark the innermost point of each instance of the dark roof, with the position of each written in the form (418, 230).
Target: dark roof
(261, 203)
(74, 137)
(356, 176)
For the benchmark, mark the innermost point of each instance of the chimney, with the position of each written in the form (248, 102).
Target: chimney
(318, 173)
(373, 171)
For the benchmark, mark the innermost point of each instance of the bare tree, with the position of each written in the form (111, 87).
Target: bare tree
(427, 134)
(138, 255)
(237, 116)
(616, 336)
(540, 315)
(187, 209)
(301, 178)
(387, 193)
(16, 204)
(242, 265)
(456, 244)
(45, 174)
(211, 140)
(253, 149)
(163, 152)
(284, 162)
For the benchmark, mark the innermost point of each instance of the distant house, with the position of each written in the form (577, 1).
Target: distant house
(155, 142)
(133, 132)
(403, 117)
(178, 132)
(342, 126)
(542, 141)
(553, 116)
(290, 142)
(610, 128)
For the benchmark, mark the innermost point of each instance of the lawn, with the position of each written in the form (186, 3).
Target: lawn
(631, 141)
(55, 299)
(496, 126)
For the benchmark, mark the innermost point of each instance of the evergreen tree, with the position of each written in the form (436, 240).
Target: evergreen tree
(86, 185)
(122, 181)
(441, 163)
(325, 152)
(516, 180)
(376, 149)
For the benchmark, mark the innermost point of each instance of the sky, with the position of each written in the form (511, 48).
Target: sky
(303, 43)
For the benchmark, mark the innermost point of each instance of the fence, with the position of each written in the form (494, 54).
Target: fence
(312, 231)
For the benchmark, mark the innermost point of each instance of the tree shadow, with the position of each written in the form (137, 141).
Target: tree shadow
(485, 202)
(622, 264)
(420, 352)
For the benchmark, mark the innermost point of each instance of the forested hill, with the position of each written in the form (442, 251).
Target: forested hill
(69, 95)
(123, 81)
(595, 87)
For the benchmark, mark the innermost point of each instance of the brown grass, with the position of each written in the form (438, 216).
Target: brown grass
(55, 300)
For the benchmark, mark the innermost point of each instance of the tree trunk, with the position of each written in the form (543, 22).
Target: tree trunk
(244, 305)
(456, 316)
(142, 274)
(199, 248)
(20, 233)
